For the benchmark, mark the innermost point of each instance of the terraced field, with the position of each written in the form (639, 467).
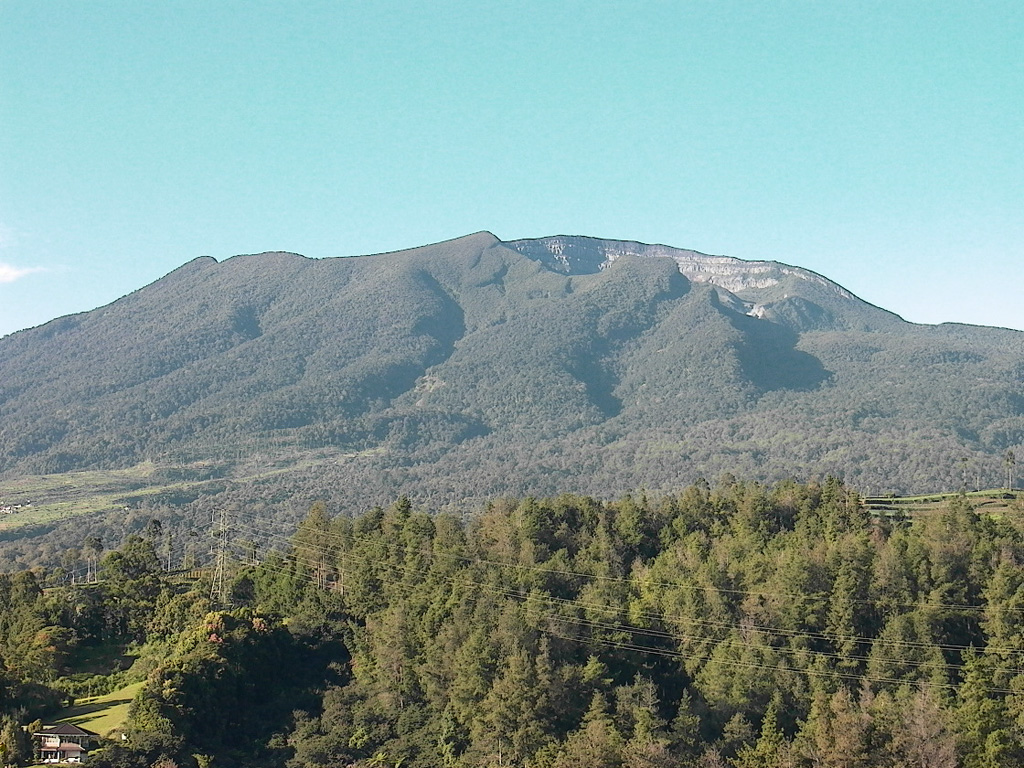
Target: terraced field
(997, 502)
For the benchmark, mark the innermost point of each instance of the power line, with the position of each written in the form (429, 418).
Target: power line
(663, 616)
(718, 641)
(688, 656)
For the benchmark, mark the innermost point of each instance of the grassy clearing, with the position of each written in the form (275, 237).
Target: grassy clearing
(48, 499)
(105, 714)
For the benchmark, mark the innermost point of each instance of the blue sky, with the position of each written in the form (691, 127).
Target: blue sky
(878, 143)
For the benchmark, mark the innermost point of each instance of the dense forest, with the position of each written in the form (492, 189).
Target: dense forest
(741, 625)
(476, 369)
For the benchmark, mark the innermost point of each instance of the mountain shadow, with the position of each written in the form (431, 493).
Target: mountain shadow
(769, 357)
(632, 297)
(444, 323)
(591, 368)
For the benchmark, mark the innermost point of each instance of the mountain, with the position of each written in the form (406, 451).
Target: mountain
(476, 368)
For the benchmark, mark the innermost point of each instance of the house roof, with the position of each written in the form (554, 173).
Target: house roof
(65, 729)
(70, 746)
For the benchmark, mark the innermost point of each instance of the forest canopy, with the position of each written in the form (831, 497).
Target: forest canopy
(740, 625)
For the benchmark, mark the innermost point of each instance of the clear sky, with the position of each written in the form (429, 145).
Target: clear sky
(878, 143)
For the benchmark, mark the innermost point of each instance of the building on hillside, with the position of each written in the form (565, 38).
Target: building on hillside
(64, 743)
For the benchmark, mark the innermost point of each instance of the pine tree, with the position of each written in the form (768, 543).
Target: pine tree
(313, 546)
(596, 743)
(982, 718)
(771, 749)
(510, 722)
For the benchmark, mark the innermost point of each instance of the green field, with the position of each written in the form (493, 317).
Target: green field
(105, 714)
(48, 499)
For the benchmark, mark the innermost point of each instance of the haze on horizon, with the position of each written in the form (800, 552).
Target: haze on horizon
(881, 146)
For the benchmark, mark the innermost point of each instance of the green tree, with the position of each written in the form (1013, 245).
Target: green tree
(511, 723)
(771, 748)
(314, 546)
(133, 585)
(596, 743)
(982, 719)
(836, 734)
(15, 745)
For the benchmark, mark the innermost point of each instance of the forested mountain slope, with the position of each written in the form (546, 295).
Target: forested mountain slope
(476, 368)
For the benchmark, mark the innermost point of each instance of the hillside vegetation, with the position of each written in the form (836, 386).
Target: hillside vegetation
(741, 626)
(474, 369)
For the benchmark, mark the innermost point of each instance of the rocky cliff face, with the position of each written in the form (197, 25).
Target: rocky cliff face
(585, 255)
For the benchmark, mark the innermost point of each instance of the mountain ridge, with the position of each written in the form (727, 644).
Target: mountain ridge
(755, 284)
